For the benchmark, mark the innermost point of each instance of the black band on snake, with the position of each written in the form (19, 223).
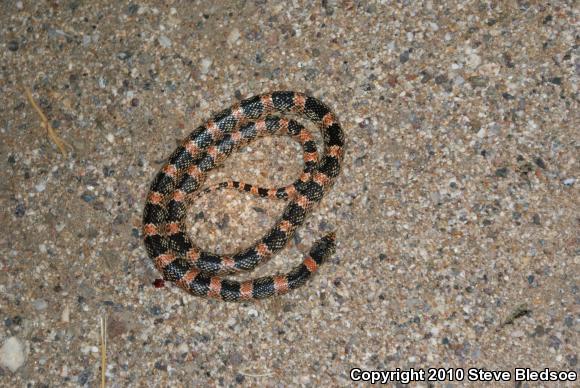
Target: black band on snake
(179, 182)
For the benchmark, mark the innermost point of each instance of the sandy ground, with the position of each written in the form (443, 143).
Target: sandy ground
(456, 212)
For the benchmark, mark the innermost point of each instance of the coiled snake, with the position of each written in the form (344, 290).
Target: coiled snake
(179, 182)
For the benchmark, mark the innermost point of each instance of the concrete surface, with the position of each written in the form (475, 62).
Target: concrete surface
(456, 213)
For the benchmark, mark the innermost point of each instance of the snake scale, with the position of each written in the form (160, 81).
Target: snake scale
(180, 180)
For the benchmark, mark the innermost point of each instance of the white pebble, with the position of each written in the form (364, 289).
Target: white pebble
(233, 36)
(164, 41)
(12, 354)
(65, 316)
(110, 137)
(40, 304)
(569, 181)
(205, 65)
(473, 61)
(40, 187)
(19, 5)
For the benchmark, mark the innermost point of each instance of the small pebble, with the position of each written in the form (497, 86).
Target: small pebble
(205, 65)
(13, 45)
(20, 210)
(88, 197)
(12, 354)
(233, 36)
(569, 181)
(164, 41)
(65, 316)
(40, 187)
(40, 304)
(501, 172)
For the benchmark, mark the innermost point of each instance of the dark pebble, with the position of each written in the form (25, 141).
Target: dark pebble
(536, 219)
(539, 331)
(224, 222)
(507, 96)
(123, 55)
(135, 102)
(501, 172)
(547, 19)
(404, 57)
(569, 321)
(160, 365)
(20, 210)
(540, 163)
(11, 159)
(155, 310)
(121, 219)
(572, 360)
(132, 9)
(426, 77)
(555, 342)
(311, 74)
(108, 171)
(135, 232)
(440, 79)
(556, 80)
(88, 198)
(13, 45)
(240, 378)
(531, 279)
(84, 377)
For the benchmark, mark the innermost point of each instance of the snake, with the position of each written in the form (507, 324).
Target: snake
(179, 183)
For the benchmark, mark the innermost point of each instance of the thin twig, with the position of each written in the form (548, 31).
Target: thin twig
(46, 124)
(103, 350)
(266, 374)
(520, 311)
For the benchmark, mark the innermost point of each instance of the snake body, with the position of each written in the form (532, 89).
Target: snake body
(179, 182)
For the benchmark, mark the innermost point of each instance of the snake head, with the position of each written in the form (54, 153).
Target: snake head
(323, 248)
